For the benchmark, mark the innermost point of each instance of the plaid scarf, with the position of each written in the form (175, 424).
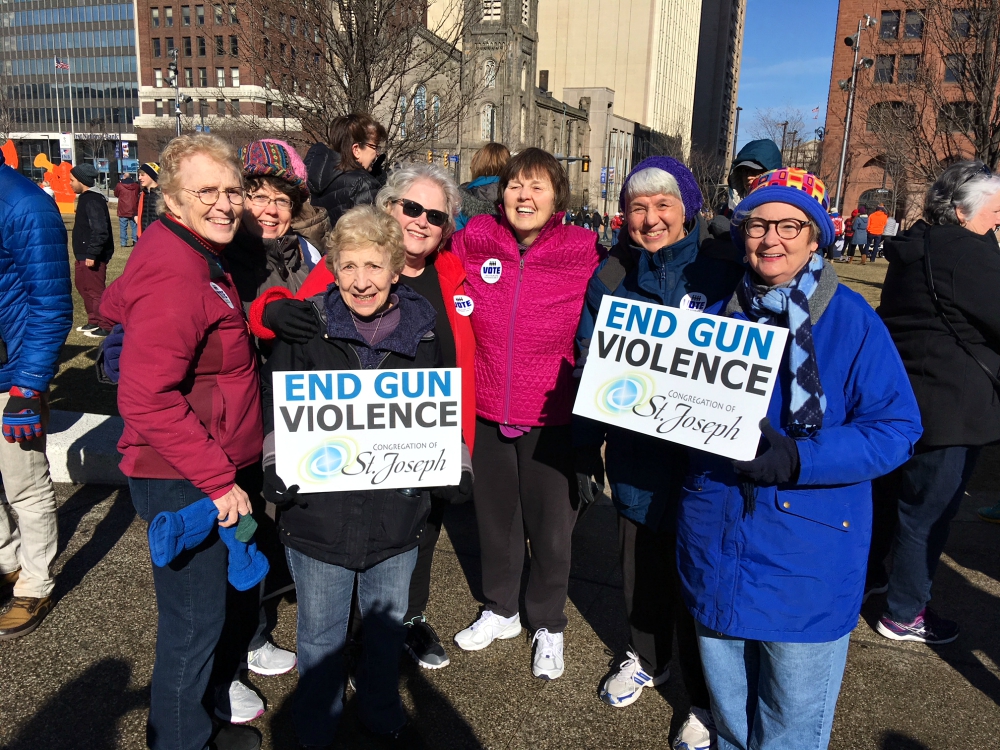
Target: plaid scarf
(791, 302)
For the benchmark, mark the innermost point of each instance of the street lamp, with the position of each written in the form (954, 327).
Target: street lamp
(854, 42)
(736, 130)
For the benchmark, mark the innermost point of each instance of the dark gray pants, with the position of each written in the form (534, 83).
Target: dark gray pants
(654, 606)
(526, 490)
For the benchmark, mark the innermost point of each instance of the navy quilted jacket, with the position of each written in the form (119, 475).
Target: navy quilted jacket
(36, 309)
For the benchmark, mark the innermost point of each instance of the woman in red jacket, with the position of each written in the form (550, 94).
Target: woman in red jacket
(527, 277)
(424, 199)
(190, 396)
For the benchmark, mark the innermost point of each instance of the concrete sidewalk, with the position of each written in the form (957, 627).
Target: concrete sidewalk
(82, 680)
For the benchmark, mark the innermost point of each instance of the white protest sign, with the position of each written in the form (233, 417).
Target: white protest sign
(700, 380)
(368, 429)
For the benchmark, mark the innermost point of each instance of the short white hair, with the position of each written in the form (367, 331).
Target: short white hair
(652, 181)
(403, 177)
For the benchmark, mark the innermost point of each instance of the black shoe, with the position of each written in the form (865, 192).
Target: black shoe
(234, 737)
(97, 333)
(423, 644)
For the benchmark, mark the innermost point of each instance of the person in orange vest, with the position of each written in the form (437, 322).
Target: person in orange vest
(876, 228)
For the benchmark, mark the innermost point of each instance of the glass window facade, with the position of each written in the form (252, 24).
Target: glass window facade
(96, 40)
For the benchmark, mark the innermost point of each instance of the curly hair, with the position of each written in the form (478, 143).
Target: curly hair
(186, 146)
(966, 185)
(366, 226)
(403, 177)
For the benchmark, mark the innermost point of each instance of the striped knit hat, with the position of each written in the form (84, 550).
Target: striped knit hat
(272, 158)
(152, 170)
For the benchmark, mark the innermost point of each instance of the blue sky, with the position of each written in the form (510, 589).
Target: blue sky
(787, 55)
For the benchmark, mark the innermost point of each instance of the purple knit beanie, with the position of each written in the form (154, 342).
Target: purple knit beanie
(690, 192)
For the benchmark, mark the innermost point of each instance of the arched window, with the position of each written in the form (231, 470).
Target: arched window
(402, 116)
(435, 114)
(524, 121)
(524, 76)
(489, 122)
(419, 111)
(490, 73)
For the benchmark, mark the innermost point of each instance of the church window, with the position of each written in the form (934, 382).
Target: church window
(489, 122)
(525, 12)
(490, 73)
(402, 116)
(492, 10)
(419, 111)
(524, 118)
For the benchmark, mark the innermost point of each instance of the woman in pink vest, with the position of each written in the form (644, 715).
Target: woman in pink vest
(527, 274)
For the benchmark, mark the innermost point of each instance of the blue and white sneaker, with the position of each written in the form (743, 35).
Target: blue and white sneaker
(624, 687)
(697, 732)
(926, 628)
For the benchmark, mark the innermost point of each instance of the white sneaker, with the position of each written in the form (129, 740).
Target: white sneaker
(270, 660)
(624, 687)
(697, 732)
(239, 704)
(488, 628)
(548, 660)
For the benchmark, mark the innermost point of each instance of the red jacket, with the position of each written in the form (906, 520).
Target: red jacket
(127, 194)
(451, 276)
(525, 321)
(189, 391)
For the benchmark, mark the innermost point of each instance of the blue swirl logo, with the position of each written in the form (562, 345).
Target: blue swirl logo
(624, 393)
(327, 460)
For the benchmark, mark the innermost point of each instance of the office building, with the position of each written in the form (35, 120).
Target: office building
(69, 69)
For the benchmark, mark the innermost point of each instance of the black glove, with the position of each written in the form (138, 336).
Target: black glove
(589, 468)
(377, 169)
(292, 320)
(456, 494)
(779, 464)
(276, 492)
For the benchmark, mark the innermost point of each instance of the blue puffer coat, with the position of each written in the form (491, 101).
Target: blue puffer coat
(645, 472)
(36, 306)
(794, 570)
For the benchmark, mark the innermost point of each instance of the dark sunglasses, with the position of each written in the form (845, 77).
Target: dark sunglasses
(414, 209)
(983, 170)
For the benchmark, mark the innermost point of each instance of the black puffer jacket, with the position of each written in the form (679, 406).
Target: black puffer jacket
(332, 188)
(958, 403)
(356, 529)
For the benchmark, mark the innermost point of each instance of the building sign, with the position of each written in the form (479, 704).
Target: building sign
(699, 380)
(368, 429)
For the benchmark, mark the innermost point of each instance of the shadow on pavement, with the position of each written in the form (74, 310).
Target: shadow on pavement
(105, 536)
(896, 741)
(85, 712)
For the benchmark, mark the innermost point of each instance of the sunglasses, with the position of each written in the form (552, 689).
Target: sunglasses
(414, 209)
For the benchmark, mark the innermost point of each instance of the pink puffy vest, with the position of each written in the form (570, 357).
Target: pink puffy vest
(526, 319)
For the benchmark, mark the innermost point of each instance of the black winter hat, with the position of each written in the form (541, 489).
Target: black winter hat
(85, 173)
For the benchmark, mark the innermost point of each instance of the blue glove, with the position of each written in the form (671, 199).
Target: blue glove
(22, 416)
(247, 564)
(171, 533)
(110, 353)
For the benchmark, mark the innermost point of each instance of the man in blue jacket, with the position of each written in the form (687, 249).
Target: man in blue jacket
(36, 312)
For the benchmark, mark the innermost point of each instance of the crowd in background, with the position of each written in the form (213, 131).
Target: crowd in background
(260, 261)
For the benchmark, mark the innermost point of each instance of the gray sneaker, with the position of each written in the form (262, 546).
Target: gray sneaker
(239, 704)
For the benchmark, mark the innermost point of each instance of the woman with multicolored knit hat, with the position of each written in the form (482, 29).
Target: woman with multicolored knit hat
(772, 552)
(662, 258)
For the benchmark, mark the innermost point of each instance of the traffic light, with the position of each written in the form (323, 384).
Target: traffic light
(430, 157)
(444, 161)
(586, 164)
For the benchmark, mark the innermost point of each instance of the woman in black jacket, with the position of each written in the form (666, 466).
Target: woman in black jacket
(336, 539)
(346, 174)
(941, 306)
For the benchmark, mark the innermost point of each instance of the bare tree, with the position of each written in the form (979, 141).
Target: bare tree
(6, 114)
(923, 107)
(319, 59)
(775, 123)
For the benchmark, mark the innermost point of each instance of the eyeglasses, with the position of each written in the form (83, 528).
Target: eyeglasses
(262, 201)
(210, 196)
(377, 148)
(414, 209)
(788, 229)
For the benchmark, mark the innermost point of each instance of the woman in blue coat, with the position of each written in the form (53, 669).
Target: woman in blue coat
(772, 552)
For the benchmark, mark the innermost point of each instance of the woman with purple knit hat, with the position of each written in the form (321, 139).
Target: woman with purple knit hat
(665, 256)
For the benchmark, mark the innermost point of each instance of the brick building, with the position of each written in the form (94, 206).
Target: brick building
(912, 98)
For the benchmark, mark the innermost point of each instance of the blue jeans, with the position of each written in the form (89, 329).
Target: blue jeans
(324, 594)
(123, 226)
(614, 236)
(769, 695)
(191, 610)
(929, 490)
(874, 245)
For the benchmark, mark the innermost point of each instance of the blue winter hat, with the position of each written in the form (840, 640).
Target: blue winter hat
(796, 187)
(690, 192)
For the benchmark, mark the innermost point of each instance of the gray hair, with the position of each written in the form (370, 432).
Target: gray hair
(652, 181)
(402, 178)
(966, 185)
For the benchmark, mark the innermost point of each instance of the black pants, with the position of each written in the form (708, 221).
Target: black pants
(420, 583)
(654, 606)
(929, 490)
(526, 491)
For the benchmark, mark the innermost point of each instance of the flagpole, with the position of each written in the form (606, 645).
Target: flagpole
(72, 119)
(58, 107)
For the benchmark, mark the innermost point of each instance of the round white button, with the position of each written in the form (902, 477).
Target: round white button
(491, 271)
